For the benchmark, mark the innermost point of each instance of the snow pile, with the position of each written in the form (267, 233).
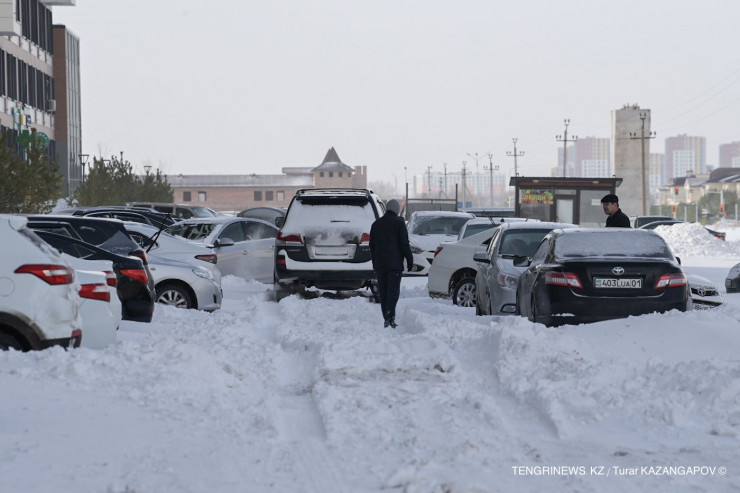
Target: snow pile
(692, 239)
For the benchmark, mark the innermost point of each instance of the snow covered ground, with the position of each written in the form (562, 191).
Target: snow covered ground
(313, 395)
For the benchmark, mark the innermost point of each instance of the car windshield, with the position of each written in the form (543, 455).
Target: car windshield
(626, 244)
(521, 242)
(191, 231)
(472, 229)
(202, 212)
(437, 225)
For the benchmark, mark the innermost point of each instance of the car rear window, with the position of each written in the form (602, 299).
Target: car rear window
(623, 244)
(522, 242)
(194, 231)
(323, 212)
(477, 228)
(431, 225)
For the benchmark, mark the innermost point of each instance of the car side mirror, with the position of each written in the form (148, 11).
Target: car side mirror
(223, 242)
(522, 261)
(279, 221)
(481, 257)
(678, 259)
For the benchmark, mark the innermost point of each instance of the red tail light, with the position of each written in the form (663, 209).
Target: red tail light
(138, 274)
(671, 281)
(294, 238)
(95, 292)
(141, 254)
(208, 257)
(436, 252)
(280, 260)
(365, 238)
(563, 279)
(110, 278)
(50, 274)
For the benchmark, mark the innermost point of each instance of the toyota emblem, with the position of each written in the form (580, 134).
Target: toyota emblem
(618, 271)
(701, 291)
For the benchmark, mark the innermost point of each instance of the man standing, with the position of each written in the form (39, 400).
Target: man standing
(389, 246)
(617, 218)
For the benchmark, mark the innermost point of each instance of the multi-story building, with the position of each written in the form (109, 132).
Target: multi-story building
(729, 155)
(239, 192)
(656, 174)
(39, 85)
(592, 158)
(630, 157)
(685, 155)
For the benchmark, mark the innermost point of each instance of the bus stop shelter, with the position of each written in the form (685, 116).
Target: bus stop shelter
(569, 200)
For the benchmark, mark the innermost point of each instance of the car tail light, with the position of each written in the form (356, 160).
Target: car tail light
(138, 274)
(436, 252)
(365, 238)
(95, 292)
(671, 281)
(280, 260)
(50, 274)
(110, 278)
(721, 236)
(563, 279)
(208, 257)
(141, 254)
(294, 238)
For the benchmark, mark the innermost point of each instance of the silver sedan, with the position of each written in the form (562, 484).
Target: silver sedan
(185, 286)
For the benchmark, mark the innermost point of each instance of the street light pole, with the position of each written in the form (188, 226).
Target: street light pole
(83, 162)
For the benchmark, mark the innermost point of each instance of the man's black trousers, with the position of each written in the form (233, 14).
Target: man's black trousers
(389, 284)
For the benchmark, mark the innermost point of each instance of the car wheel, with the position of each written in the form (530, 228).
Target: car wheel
(174, 295)
(464, 292)
(7, 341)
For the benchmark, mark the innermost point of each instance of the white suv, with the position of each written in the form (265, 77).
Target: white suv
(324, 241)
(38, 296)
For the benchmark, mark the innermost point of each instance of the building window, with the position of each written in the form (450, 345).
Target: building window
(331, 174)
(321, 174)
(268, 195)
(186, 196)
(201, 196)
(339, 174)
(281, 196)
(258, 196)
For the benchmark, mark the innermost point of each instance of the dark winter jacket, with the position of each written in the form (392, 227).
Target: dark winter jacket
(389, 243)
(618, 220)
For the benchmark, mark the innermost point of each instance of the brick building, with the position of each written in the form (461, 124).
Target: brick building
(239, 192)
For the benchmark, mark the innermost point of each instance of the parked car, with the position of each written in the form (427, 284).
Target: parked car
(124, 213)
(182, 211)
(38, 299)
(244, 247)
(479, 224)
(732, 281)
(717, 234)
(639, 221)
(156, 242)
(274, 215)
(325, 241)
(185, 286)
(100, 310)
(585, 275)
(452, 274)
(704, 293)
(427, 229)
(497, 277)
(133, 284)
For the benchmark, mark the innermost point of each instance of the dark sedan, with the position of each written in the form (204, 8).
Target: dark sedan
(133, 286)
(585, 275)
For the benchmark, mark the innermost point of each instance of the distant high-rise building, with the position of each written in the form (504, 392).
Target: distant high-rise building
(628, 159)
(592, 158)
(656, 173)
(729, 155)
(685, 155)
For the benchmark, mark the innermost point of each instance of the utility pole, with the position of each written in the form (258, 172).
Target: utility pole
(464, 172)
(515, 154)
(643, 138)
(564, 139)
(445, 166)
(429, 179)
(490, 169)
(476, 186)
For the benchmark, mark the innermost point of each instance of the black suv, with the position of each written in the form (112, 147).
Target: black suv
(324, 241)
(108, 234)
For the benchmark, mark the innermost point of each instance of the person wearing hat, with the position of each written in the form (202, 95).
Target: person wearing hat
(617, 218)
(389, 247)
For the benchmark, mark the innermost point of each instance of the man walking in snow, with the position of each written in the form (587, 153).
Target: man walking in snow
(389, 247)
(617, 218)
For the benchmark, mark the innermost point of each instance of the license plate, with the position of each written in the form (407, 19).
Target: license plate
(331, 250)
(601, 282)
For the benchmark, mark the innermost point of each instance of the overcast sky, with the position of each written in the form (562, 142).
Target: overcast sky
(242, 86)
